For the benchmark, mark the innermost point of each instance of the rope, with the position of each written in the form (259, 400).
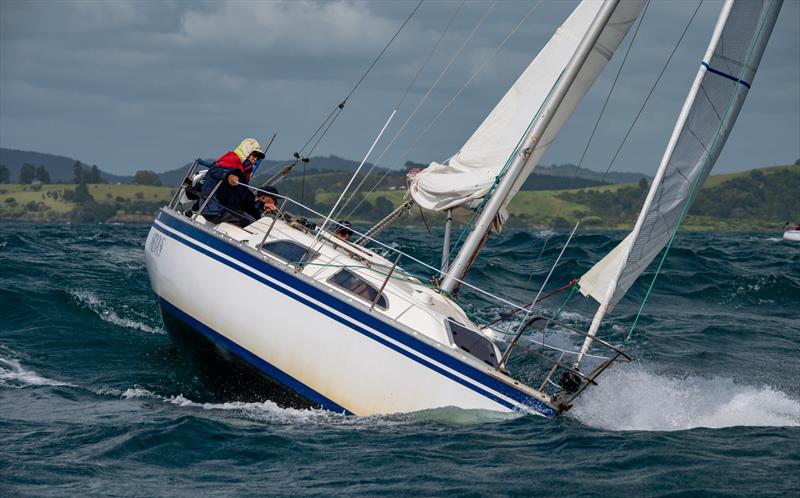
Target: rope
(436, 82)
(455, 96)
(650, 93)
(697, 181)
(328, 122)
(591, 136)
(514, 312)
(497, 179)
(402, 99)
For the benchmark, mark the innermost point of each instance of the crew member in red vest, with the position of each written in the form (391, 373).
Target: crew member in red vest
(231, 202)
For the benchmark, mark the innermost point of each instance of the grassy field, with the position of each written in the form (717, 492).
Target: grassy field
(47, 201)
(105, 193)
(528, 208)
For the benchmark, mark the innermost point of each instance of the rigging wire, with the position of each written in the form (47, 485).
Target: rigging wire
(331, 118)
(438, 79)
(550, 231)
(474, 75)
(647, 99)
(326, 124)
(402, 99)
(458, 93)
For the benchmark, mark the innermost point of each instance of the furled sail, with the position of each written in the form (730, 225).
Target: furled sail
(713, 104)
(468, 175)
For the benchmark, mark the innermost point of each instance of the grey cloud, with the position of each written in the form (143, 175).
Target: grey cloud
(151, 84)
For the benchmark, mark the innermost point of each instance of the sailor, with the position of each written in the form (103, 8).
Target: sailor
(267, 200)
(233, 203)
(344, 230)
(245, 157)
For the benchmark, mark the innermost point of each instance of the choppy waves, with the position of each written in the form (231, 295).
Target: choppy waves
(14, 375)
(91, 301)
(86, 370)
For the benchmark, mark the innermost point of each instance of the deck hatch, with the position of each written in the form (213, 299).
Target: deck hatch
(289, 251)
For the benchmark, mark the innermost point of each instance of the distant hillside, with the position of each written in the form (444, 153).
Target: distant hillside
(555, 177)
(268, 168)
(759, 198)
(59, 167)
(568, 171)
(764, 198)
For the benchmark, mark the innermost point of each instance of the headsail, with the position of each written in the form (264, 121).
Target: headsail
(710, 110)
(468, 175)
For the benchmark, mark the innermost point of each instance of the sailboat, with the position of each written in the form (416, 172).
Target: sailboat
(791, 234)
(344, 326)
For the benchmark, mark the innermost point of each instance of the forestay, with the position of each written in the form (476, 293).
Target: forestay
(469, 174)
(719, 90)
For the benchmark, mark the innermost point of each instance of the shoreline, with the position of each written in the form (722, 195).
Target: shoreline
(139, 219)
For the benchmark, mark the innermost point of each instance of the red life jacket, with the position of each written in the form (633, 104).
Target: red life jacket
(231, 160)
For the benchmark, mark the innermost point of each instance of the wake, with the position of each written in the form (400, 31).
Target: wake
(629, 397)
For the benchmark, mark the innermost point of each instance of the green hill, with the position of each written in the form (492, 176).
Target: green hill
(763, 198)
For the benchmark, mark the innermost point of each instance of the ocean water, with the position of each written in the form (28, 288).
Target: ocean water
(95, 399)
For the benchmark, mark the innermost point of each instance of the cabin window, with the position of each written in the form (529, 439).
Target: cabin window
(473, 343)
(351, 282)
(290, 251)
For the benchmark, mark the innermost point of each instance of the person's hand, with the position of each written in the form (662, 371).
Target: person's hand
(233, 180)
(270, 207)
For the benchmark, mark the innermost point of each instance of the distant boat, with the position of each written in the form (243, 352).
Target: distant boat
(791, 235)
(349, 329)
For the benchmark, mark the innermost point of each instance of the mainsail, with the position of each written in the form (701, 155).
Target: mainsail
(710, 110)
(468, 175)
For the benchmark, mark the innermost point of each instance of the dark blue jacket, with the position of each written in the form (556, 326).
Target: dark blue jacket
(237, 199)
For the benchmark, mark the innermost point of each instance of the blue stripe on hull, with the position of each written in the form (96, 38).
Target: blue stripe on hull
(304, 289)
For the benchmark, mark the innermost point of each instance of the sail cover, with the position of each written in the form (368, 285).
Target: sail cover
(468, 175)
(724, 78)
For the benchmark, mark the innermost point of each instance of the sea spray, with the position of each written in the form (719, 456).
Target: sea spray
(631, 397)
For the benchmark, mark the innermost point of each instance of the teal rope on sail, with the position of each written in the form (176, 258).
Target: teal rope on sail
(564, 304)
(696, 183)
(502, 171)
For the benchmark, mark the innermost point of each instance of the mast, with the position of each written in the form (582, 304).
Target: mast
(484, 221)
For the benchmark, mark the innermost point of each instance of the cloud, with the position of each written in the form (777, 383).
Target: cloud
(128, 83)
(290, 28)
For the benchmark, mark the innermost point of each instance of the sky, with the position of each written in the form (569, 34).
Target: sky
(132, 85)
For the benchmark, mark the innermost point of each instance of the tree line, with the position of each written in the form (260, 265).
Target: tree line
(81, 173)
(758, 196)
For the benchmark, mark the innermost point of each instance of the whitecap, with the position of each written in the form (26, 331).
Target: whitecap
(13, 374)
(91, 301)
(629, 397)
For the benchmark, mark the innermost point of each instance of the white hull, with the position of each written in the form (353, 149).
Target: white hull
(337, 354)
(791, 235)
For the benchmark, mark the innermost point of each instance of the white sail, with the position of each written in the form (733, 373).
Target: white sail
(468, 175)
(710, 110)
